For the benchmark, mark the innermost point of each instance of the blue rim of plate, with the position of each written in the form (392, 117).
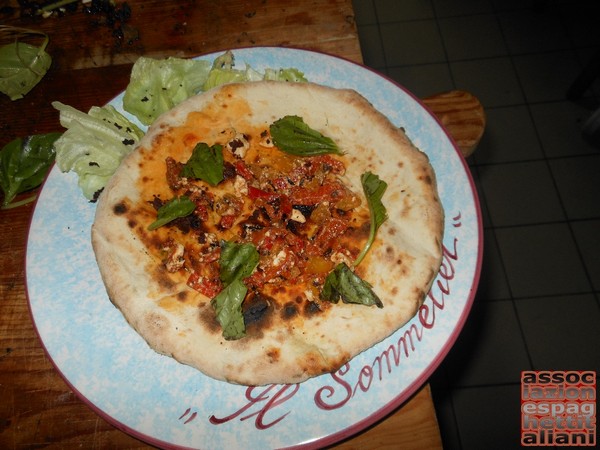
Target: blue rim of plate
(167, 404)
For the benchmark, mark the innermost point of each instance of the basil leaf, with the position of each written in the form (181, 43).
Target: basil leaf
(24, 164)
(237, 261)
(228, 307)
(206, 163)
(345, 284)
(22, 65)
(293, 136)
(374, 188)
(173, 209)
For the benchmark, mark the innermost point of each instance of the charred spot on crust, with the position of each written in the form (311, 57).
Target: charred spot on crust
(311, 308)
(256, 308)
(131, 223)
(120, 208)
(163, 278)
(426, 179)
(208, 318)
(273, 354)
(182, 296)
(289, 311)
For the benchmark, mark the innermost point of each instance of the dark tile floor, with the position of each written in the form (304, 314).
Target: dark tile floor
(538, 303)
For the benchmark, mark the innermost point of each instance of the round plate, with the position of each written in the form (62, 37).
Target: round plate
(168, 404)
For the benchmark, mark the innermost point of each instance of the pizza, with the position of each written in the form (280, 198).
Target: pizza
(268, 232)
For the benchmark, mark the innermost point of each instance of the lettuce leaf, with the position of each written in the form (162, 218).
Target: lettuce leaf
(94, 144)
(290, 75)
(217, 77)
(157, 85)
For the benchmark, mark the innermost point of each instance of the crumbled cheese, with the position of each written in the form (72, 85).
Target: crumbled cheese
(211, 238)
(297, 216)
(267, 142)
(309, 295)
(239, 145)
(339, 257)
(279, 258)
(240, 185)
(175, 259)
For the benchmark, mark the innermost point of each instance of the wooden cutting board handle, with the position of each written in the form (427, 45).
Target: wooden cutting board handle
(462, 115)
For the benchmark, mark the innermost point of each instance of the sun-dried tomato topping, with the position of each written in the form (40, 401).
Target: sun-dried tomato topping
(327, 192)
(295, 211)
(206, 286)
(243, 170)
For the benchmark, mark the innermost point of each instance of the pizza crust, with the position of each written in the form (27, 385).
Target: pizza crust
(178, 321)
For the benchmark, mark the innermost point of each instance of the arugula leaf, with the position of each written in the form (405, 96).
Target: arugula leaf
(293, 136)
(374, 188)
(22, 65)
(173, 209)
(237, 261)
(24, 164)
(345, 284)
(206, 163)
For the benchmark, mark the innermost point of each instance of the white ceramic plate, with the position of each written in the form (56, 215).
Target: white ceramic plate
(172, 405)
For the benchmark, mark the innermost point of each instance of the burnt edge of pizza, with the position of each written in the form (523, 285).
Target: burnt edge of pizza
(266, 231)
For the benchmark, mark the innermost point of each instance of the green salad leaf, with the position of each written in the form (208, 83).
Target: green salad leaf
(173, 209)
(343, 283)
(292, 135)
(237, 261)
(157, 85)
(22, 65)
(374, 188)
(206, 163)
(222, 72)
(290, 75)
(94, 144)
(24, 164)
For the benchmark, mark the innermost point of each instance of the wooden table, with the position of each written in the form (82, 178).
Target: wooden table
(91, 64)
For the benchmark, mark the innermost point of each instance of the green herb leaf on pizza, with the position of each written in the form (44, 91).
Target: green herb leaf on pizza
(374, 188)
(206, 163)
(175, 208)
(237, 261)
(292, 135)
(343, 283)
